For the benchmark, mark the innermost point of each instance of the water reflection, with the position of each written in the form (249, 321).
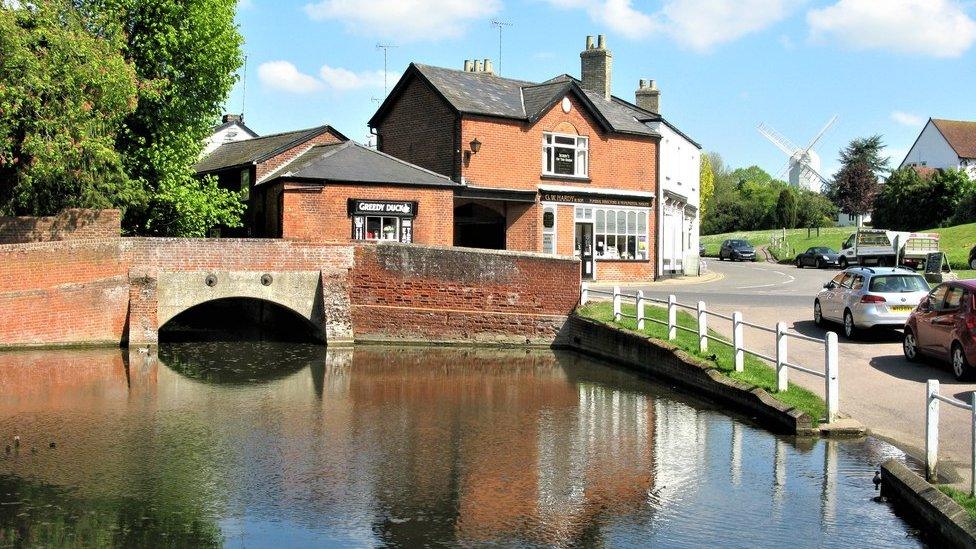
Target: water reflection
(282, 444)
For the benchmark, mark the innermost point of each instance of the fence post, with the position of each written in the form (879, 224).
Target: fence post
(584, 293)
(931, 428)
(782, 380)
(972, 457)
(672, 317)
(616, 303)
(737, 342)
(640, 310)
(832, 371)
(702, 327)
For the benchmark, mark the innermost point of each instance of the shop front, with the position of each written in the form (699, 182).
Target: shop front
(608, 230)
(382, 220)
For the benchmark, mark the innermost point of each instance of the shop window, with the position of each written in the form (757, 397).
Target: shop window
(565, 155)
(621, 234)
(382, 220)
(549, 230)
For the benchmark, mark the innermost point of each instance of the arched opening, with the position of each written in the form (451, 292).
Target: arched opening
(239, 319)
(477, 226)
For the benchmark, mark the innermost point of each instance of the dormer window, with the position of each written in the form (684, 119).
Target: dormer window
(565, 155)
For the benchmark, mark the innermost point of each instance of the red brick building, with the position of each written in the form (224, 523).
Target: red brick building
(559, 167)
(317, 185)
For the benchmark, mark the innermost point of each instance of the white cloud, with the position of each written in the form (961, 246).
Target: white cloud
(404, 20)
(282, 75)
(937, 28)
(907, 119)
(342, 79)
(696, 24)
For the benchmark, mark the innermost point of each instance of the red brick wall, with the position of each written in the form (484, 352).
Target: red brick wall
(511, 152)
(268, 166)
(412, 292)
(79, 292)
(70, 224)
(421, 128)
(320, 213)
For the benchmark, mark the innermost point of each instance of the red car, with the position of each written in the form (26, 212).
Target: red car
(944, 326)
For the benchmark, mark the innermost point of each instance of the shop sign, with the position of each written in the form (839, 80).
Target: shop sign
(382, 207)
(585, 198)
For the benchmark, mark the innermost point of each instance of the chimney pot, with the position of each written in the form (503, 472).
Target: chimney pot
(596, 67)
(601, 42)
(479, 66)
(232, 118)
(468, 65)
(648, 97)
(488, 68)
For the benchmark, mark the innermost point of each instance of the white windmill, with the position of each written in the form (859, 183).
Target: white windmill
(803, 164)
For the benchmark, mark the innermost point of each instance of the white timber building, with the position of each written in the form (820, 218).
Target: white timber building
(944, 144)
(231, 129)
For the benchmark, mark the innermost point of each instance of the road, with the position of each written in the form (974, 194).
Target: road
(878, 386)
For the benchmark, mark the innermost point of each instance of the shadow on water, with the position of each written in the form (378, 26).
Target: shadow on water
(242, 362)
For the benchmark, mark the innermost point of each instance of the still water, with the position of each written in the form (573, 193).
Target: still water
(287, 445)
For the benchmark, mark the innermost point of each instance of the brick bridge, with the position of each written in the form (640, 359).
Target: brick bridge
(122, 290)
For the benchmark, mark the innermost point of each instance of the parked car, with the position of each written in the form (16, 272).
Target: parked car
(701, 250)
(944, 327)
(818, 257)
(972, 258)
(861, 298)
(737, 250)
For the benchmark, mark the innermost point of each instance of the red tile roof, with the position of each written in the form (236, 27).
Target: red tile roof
(960, 134)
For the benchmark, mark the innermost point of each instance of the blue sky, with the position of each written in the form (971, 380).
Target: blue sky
(723, 66)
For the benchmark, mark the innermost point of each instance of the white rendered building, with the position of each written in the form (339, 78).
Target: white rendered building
(944, 144)
(231, 129)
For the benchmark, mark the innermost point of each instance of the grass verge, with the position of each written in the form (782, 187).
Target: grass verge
(962, 498)
(756, 372)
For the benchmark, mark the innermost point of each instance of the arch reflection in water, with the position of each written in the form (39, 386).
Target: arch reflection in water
(405, 447)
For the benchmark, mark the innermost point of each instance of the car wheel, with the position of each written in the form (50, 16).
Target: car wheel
(799, 263)
(972, 263)
(817, 313)
(820, 264)
(850, 330)
(842, 263)
(910, 346)
(960, 365)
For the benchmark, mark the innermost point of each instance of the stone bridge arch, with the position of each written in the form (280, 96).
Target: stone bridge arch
(154, 301)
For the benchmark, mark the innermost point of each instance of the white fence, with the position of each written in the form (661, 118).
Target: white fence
(932, 399)
(738, 344)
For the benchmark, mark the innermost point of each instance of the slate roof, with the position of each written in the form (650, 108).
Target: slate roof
(490, 95)
(960, 134)
(353, 163)
(241, 153)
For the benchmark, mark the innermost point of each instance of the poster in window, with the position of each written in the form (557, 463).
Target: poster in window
(358, 232)
(565, 164)
(548, 220)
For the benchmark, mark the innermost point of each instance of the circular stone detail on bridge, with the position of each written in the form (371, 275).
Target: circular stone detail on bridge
(266, 279)
(211, 280)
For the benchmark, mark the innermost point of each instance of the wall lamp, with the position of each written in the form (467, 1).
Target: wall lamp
(475, 147)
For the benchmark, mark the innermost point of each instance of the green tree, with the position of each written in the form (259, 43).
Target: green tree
(64, 90)
(910, 202)
(815, 210)
(855, 184)
(786, 213)
(897, 203)
(706, 185)
(186, 54)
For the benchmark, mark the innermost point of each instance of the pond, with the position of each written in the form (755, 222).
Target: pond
(283, 444)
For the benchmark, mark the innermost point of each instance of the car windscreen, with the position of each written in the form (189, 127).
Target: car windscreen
(823, 251)
(898, 284)
(739, 244)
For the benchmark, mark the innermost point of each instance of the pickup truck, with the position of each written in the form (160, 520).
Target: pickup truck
(887, 248)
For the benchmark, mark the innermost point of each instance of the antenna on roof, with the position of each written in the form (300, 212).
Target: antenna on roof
(500, 25)
(243, 88)
(386, 51)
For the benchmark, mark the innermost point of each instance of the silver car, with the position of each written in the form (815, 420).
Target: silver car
(865, 297)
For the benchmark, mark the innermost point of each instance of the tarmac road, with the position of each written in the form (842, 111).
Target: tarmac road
(878, 386)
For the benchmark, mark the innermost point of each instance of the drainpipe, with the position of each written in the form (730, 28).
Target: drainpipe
(659, 209)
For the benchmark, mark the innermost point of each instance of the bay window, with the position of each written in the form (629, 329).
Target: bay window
(565, 155)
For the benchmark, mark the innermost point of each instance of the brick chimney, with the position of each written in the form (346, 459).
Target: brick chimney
(232, 118)
(596, 64)
(648, 96)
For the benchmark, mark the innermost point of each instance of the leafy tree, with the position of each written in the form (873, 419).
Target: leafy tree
(64, 90)
(706, 186)
(856, 183)
(786, 213)
(910, 201)
(896, 204)
(814, 210)
(186, 53)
